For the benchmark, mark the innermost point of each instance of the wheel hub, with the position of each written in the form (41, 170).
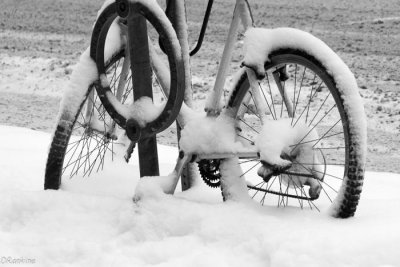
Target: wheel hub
(267, 171)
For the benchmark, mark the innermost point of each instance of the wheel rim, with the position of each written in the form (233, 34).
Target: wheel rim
(316, 104)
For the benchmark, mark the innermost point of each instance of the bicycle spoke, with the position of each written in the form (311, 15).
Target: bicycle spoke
(71, 157)
(272, 100)
(326, 193)
(250, 169)
(87, 160)
(323, 136)
(316, 164)
(255, 103)
(311, 171)
(307, 107)
(258, 116)
(298, 94)
(77, 162)
(311, 203)
(313, 140)
(320, 108)
(247, 161)
(308, 133)
(257, 191)
(249, 126)
(283, 101)
(297, 194)
(251, 142)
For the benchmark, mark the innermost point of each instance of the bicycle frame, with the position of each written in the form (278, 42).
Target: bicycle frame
(242, 13)
(142, 63)
(283, 67)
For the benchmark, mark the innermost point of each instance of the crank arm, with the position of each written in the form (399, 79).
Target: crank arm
(173, 178)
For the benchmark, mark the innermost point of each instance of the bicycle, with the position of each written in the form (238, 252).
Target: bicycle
(294, 118)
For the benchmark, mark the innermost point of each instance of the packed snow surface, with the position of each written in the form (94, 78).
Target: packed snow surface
(94, 222)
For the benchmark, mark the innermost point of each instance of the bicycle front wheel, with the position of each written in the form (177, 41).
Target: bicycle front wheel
(300, 96)
(84, 142)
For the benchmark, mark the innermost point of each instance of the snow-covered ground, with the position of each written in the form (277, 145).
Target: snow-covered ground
(94, 222)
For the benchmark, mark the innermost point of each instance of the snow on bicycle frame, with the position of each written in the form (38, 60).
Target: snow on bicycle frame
(218, 139)
(273, 144)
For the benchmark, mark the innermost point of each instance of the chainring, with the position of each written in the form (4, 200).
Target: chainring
(209, 171)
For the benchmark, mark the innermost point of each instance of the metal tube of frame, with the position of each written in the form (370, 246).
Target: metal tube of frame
(246, 14)
(241, 155)
(241, 13)
(176, 12)
(142, 82)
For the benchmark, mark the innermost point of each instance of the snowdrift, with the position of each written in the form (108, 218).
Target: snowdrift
(94, 222)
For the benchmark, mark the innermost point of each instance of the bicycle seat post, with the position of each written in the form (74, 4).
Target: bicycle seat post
(142, 82)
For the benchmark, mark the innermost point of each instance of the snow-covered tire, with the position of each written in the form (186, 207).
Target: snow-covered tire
(86, 153)
(92, 159)
(315, 90)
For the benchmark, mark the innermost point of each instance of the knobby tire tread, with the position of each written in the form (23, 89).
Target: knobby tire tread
(353, 185)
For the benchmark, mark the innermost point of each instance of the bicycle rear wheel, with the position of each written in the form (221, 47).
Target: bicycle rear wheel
(303, 102)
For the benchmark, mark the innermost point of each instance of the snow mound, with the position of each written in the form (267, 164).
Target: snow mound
(94, 222)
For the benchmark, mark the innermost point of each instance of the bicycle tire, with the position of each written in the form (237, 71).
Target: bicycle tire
(77, 124)
(347, 194)
(67, 122)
